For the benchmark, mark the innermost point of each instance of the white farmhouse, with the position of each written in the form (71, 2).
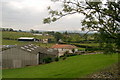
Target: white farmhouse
(62, 48)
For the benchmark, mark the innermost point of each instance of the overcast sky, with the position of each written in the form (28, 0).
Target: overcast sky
(29, 14)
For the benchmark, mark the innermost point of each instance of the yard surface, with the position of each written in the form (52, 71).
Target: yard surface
(73, 67)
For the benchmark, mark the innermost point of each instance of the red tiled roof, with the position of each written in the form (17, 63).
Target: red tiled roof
(63, 46)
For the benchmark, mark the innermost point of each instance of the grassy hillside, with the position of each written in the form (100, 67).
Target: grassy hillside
(16, 35)
(87, 44)
(14, 42)
(10, 38)
(73, 67)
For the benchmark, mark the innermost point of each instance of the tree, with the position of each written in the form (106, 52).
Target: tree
(3, 29)
(103, 18)
(20, 30)
(36, 31)
(73, 50)
(7, 29)
(32, 31)
(58, 36)
(51, 32)
(11, 29)
(66, 33)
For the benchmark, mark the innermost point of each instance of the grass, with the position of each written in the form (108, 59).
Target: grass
(13, 36)
(89, 44)
(73, 67)
(81, 49)
(15, 42)
(16, 35)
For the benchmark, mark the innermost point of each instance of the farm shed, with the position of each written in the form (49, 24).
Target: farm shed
(27, 55)
(47, 53)
(62, 48)
(26, 39)
(45, 40)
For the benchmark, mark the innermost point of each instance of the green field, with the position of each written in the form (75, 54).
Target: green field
(15, 42)
(10, 38)
(90, 44)
(73, 67)
(87, 44)
(16, 35)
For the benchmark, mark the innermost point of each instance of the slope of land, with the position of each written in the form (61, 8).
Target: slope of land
(73, 67)
(109, 72)
(10, 38)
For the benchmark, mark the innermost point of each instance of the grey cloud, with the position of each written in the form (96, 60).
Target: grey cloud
(28, 18)
(24, 17)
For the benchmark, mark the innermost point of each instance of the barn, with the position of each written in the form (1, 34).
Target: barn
(26, 55)
(26, 39)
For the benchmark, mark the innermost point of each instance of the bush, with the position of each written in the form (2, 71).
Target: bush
(64, 58)
(56, 59)
(47, 60)
(61, 56)
(68, 55)
(93, 49)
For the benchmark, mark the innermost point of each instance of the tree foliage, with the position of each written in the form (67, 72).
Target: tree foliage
(101, 17)
(58, 36)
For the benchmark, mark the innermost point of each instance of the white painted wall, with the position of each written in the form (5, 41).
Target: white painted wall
(62, 51)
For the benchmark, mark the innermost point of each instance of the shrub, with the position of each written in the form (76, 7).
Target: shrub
(93, 49)
(68, 55)
(47, 60)
(64, 58)
(73, 50)
(56, 59)
(61, 56)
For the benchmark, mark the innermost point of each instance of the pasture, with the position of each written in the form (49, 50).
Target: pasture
(15, 42)
(16, 35)
(10, 38)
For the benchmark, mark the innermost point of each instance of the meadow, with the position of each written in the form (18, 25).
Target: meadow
(87, 44)
(10, 38)
(16, 35)
(73, 67)
(15, 42)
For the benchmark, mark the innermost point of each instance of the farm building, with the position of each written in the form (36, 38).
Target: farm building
(34, 39)
(26, 39)
(45, 40)
(62, 48)
(27, 55)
